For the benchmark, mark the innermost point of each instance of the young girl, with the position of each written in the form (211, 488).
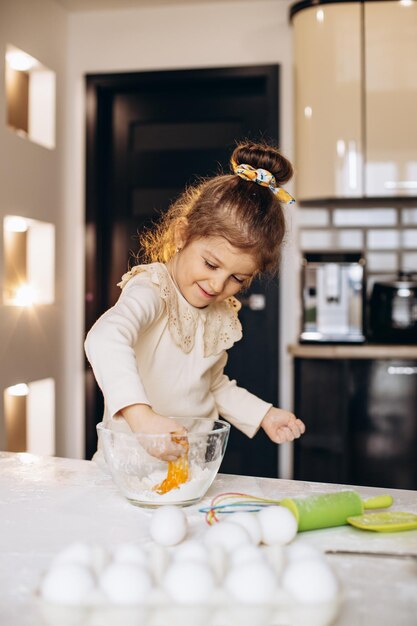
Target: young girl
(160, 352)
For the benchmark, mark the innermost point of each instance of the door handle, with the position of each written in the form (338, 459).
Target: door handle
(255, 302)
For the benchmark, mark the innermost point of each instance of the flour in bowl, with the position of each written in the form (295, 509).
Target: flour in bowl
(200, 480)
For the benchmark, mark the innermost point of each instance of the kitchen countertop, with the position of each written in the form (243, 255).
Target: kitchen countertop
(353, 351)
(47, 503)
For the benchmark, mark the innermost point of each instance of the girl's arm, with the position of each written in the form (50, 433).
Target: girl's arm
(248, 412)
(238, 406)
(110, 349)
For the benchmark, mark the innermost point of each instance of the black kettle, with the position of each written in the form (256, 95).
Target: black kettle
(393, 310)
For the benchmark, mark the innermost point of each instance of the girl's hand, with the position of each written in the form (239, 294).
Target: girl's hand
(282, 426)
(142, 419)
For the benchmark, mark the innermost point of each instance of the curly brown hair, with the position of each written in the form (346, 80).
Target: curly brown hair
(248, 215)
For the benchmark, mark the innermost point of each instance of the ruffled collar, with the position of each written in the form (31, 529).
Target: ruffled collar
(221, 324)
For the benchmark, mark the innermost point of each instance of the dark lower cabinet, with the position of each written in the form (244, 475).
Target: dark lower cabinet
(361, 418)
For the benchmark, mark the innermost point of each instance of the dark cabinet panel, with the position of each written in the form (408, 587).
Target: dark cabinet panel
(383, 423)
(361, 418)
(321, 393)
(321, 401)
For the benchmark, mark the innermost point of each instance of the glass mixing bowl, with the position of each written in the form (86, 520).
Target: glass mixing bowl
(132, 459)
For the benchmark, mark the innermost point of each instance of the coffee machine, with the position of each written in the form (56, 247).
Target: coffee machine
(333, 297)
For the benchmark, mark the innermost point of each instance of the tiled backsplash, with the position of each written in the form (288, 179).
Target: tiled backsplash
(387, 236)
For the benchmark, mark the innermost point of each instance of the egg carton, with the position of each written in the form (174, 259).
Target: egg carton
(214, 614)
(191, 584)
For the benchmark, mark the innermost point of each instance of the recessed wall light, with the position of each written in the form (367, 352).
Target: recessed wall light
(15, 224)
(20, 61)
(320, 15)
(25, 295)
(29, 261)
(21, 389)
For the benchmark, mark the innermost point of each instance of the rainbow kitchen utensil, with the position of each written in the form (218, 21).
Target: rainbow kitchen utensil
(312, 512)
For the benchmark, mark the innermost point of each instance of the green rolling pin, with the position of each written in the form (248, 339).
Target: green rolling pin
(331, 509)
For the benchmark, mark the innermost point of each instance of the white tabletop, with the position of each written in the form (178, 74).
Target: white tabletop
(47, 503)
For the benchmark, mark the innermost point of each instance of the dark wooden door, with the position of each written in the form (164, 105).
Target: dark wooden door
(150, 135)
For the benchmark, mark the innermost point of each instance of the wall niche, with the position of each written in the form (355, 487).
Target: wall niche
(29, 261)
(30, 97)
(29, 410)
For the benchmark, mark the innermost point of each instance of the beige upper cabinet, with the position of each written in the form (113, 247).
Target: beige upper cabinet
(328, 102)
(391, 98)
(356, 100)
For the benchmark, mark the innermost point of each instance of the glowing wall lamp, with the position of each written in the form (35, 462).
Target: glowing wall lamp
(29, 261)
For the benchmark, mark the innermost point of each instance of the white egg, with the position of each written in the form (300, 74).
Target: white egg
(278, 525)
(125, 583)
(248, 521)
(275, 556)
(191, 550)
(310, 581)
(218, 561)
(229, 536)
(100, 558)
(130, 553)
(168, 525)
(300, 550)
(251, 583)
(67, 584)
(245, 554)
(77, 552)
(158, 561)
(188, 582)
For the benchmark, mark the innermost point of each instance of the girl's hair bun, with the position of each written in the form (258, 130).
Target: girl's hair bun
(248, 215)
(264, 156)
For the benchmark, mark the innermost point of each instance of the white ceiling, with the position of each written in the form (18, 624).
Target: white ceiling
(103, 5)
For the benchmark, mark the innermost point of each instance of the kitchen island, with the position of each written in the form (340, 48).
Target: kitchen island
(47, 503)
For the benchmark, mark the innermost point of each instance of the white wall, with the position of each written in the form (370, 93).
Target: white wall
(31, 185)
(182, 36)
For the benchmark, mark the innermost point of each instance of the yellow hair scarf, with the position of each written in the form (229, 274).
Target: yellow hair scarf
(264, 178)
